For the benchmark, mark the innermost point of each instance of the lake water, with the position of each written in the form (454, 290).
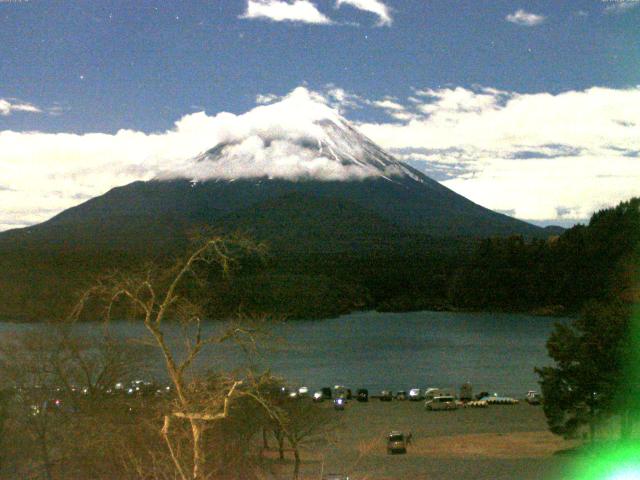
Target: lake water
(398, 351)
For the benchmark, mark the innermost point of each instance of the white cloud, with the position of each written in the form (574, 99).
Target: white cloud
(303, 11)
(524, 18)
(266, 99)
(395, 110)
(620, 6)
(543, 156)
(281, 140)
(42, 174)
(8, 106)
(374, 6)
(341, 100)
(388, 104)
(540, 155)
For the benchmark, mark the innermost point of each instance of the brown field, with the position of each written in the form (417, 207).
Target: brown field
(498, 442)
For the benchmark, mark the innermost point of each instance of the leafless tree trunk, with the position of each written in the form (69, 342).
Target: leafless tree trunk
(157, 305)
(280, 439)
(43, 444)
(296, 462)
(298, 422)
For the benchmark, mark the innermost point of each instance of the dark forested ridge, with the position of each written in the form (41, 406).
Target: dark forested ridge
(594, 261)
(372, 264)
(553, 276)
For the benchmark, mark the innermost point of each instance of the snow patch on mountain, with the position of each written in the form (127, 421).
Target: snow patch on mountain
(297, 138)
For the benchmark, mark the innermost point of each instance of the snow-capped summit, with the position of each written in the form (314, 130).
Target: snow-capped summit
(297, 138)
(305, 181)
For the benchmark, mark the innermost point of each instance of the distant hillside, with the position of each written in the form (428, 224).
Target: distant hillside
(337, 209)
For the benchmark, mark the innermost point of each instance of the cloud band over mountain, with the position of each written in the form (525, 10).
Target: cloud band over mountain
(540, 156)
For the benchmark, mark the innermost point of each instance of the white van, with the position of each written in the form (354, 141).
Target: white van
(431, 393)
(441, 403)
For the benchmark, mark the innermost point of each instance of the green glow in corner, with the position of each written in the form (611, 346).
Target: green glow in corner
(619, 461)
(631, 473)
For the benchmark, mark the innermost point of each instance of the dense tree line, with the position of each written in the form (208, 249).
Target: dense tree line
(584, 263)
(596, 372)
(554, 276)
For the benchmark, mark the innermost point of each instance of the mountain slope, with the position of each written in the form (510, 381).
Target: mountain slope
(296, 146)
(294, 174)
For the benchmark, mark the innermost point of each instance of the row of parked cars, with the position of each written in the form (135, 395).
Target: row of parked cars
(434, 398)
(50, 398)
(362, 394)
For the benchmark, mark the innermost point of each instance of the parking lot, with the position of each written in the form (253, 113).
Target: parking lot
(498, 442)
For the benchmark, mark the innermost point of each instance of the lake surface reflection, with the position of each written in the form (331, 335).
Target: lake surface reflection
(495, 352)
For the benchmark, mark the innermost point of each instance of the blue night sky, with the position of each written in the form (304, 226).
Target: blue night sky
(140, 65)
(83, 66)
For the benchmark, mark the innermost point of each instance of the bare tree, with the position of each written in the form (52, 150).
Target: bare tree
(96, 363)
(298, 421)
(26, 365)
(178, 295)
(57, 380)
(306, 423)
(5, 400)
(205, 425)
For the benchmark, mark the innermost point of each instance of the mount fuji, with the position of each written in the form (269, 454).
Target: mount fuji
(294, 174)
(295, 168)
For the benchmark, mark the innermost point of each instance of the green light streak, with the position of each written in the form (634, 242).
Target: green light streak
(618, 461)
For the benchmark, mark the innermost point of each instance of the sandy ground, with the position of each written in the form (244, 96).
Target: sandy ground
(498, 442)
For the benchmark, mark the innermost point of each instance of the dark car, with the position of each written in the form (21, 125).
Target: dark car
(326, 393)
(386, 396)
(341, 391)
(396, 443)
(481, 395)
(401, 395)
(363, 395)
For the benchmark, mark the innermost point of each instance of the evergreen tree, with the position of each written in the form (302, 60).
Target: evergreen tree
(597, 357)
(583, 387)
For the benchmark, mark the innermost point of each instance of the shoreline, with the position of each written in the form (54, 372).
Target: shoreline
(553, 311)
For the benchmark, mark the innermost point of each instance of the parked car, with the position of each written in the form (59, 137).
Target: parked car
(481, 395)
(534, 398)
(431, 393)
(284, 392)
(339, 403)
(396, 443)
(386, 396)
(317, 396)
(362, 395)
(415, 394)
(341, 391)
(326, 393)
(303, 392)
(441, 403)
(401, 395)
